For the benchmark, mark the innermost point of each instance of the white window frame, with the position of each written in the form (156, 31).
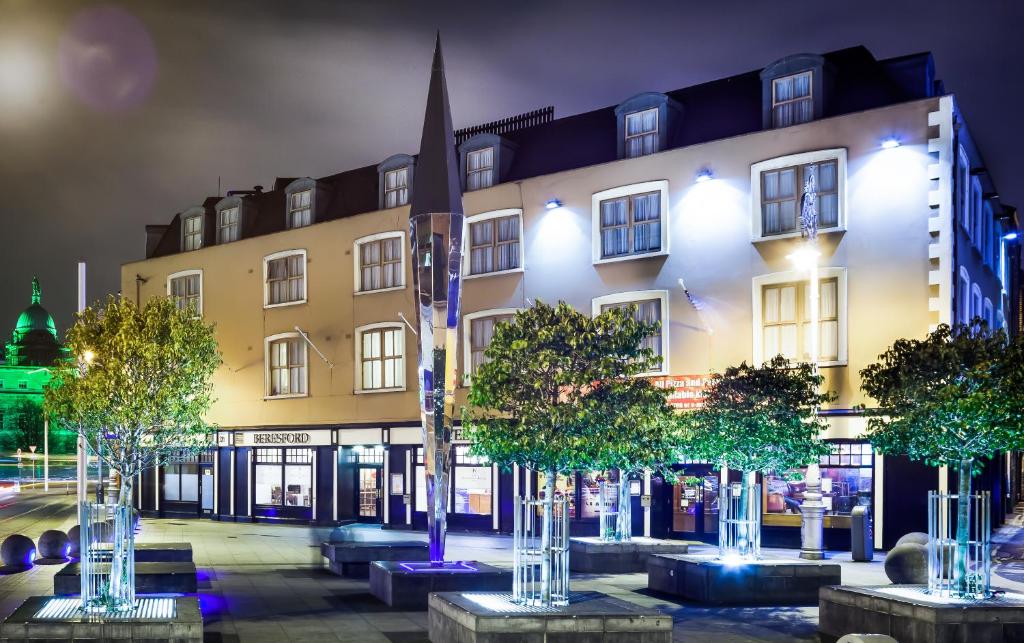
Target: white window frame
(625, 191)
(185, 235)
(358, 268)
(965, 303)
(759, 282)
(976, 305)
(641, 295)
(625, 131)
(494, 160)
(188, 273)
(398, 202)
(266, 366)
(467, 333)
(808, 97)
(238, 223)
(756, 224)
(305, 277)
(358, 367)
(467, 243)
(989, 313)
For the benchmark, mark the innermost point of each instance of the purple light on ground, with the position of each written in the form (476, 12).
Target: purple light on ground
(455, 566)
(107, 59)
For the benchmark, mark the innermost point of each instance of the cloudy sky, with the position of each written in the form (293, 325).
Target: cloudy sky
(115, 115)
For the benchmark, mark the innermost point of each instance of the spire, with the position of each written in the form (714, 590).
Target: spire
(36, 292)
(437, 187)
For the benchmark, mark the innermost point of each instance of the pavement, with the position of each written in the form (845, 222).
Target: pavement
(262, 582)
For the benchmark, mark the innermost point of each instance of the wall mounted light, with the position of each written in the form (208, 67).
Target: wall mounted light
(1010, 236)
(552, 204)
(705, 174)
(890, 143)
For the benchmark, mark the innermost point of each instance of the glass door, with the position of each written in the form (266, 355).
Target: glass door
(369, 491)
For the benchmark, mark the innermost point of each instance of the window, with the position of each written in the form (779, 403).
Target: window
(286, 366)
(283, 477)
(186, 288)
(228, 225)
(651, 306)
(181, 479)
(847, 481)
(300, 210)
(473, 482)
(782, 317)
(964, 201)
(778, 187)
(976, 310)
(396, 187)
(792, 100)
(494, 242)
(479, 169)
(965, 296)
(285, 278)
(977, 214)
(380, 262)
(479, 328)
(628, 221)
(988, 312)
(380, 358)
(192, 232)
(565, 487)
(641, 133)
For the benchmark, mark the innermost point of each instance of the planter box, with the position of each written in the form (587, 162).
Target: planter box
(150, 578)
(353, 558)
(186, 626)
(163, 552)
(590, 617)
(402, 587)
(705, 579)
(596, 556)
(907, 614)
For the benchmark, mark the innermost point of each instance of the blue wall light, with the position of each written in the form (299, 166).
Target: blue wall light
(552, 204)
(890, 143)
(1010, 236)
(705, 174)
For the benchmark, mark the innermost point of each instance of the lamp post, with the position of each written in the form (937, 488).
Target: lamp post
(82, 459)
(812, 509)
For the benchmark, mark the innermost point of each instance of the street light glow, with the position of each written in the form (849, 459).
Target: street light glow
(804, 258)
(88, 356)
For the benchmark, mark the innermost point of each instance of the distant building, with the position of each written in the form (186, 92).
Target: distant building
(25, 369)
(308, 283)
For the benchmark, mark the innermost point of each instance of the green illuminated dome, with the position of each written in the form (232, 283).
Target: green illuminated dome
(34, 340)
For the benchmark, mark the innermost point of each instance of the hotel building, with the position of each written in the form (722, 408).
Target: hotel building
(686, 203)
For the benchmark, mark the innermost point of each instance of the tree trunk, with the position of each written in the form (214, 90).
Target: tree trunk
(546, 536)
(122, 577)
(744, 539)
(624, 517)
(963, 525)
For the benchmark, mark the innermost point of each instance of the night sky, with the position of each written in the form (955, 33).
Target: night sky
(113, 116)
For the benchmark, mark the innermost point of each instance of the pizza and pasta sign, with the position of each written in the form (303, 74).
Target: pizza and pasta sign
(685, 391)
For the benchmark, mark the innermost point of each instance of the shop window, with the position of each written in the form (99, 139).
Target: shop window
(565, 487)
(473, 484)
(590, 494)
(847, 476)
(181, 481)
(421, 483)
(283, 477)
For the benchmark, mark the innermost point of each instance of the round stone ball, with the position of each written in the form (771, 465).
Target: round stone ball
(74, 540)
(17, 551)
(917, 537)
(907, 564)
(53, 544)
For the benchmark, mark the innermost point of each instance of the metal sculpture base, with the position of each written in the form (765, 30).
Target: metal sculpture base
(706, 579)
(407, 585)
(492, 617)
(61, 619)
(911, 615)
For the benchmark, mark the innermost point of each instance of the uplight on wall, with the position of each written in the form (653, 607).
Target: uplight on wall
(552, 204)
(890, 143)
(1010, 236)
(705, 174)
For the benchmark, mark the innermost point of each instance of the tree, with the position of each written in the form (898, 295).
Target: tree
(952, 399)
(27, 425)
(759, 419)
(140, 390)
(558, 393)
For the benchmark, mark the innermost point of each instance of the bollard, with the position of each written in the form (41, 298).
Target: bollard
(861, 547)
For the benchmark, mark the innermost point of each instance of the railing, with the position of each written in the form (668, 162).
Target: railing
(608, 510)
(739, 521)
(961, 570)
(540, 552)
(107, 557)
(506, 125)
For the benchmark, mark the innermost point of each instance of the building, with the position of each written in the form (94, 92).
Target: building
(683, 202)
(33, 348)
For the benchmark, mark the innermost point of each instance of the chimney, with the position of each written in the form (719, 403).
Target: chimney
(154, 233)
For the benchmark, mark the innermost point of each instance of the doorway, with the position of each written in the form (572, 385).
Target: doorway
(369, 494)
(695, 507)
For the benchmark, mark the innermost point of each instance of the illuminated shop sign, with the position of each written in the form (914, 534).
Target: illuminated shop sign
(685, 391)
(283, 438)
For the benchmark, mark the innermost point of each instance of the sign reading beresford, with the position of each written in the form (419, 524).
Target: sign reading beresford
(280, 438)
(315, 437)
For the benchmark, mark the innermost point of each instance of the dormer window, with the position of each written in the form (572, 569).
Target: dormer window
(480, 169)
(396, 187)
(300, 211)
(228, 225)
(192, 232)
(641, 133)
(792, 99)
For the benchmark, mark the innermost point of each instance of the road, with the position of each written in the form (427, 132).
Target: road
(30, 512)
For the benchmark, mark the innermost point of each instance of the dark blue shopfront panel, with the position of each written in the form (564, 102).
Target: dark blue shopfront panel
(242, 455)
(396, 466)
(324, 484)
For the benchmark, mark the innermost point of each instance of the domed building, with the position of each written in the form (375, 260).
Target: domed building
(24, 372)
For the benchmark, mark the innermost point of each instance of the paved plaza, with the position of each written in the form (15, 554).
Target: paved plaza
(262, 582)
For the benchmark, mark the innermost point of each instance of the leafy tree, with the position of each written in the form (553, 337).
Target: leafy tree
(139, 393)
(558, 394)
(759, 419)
(952, 399)
(27, 425)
